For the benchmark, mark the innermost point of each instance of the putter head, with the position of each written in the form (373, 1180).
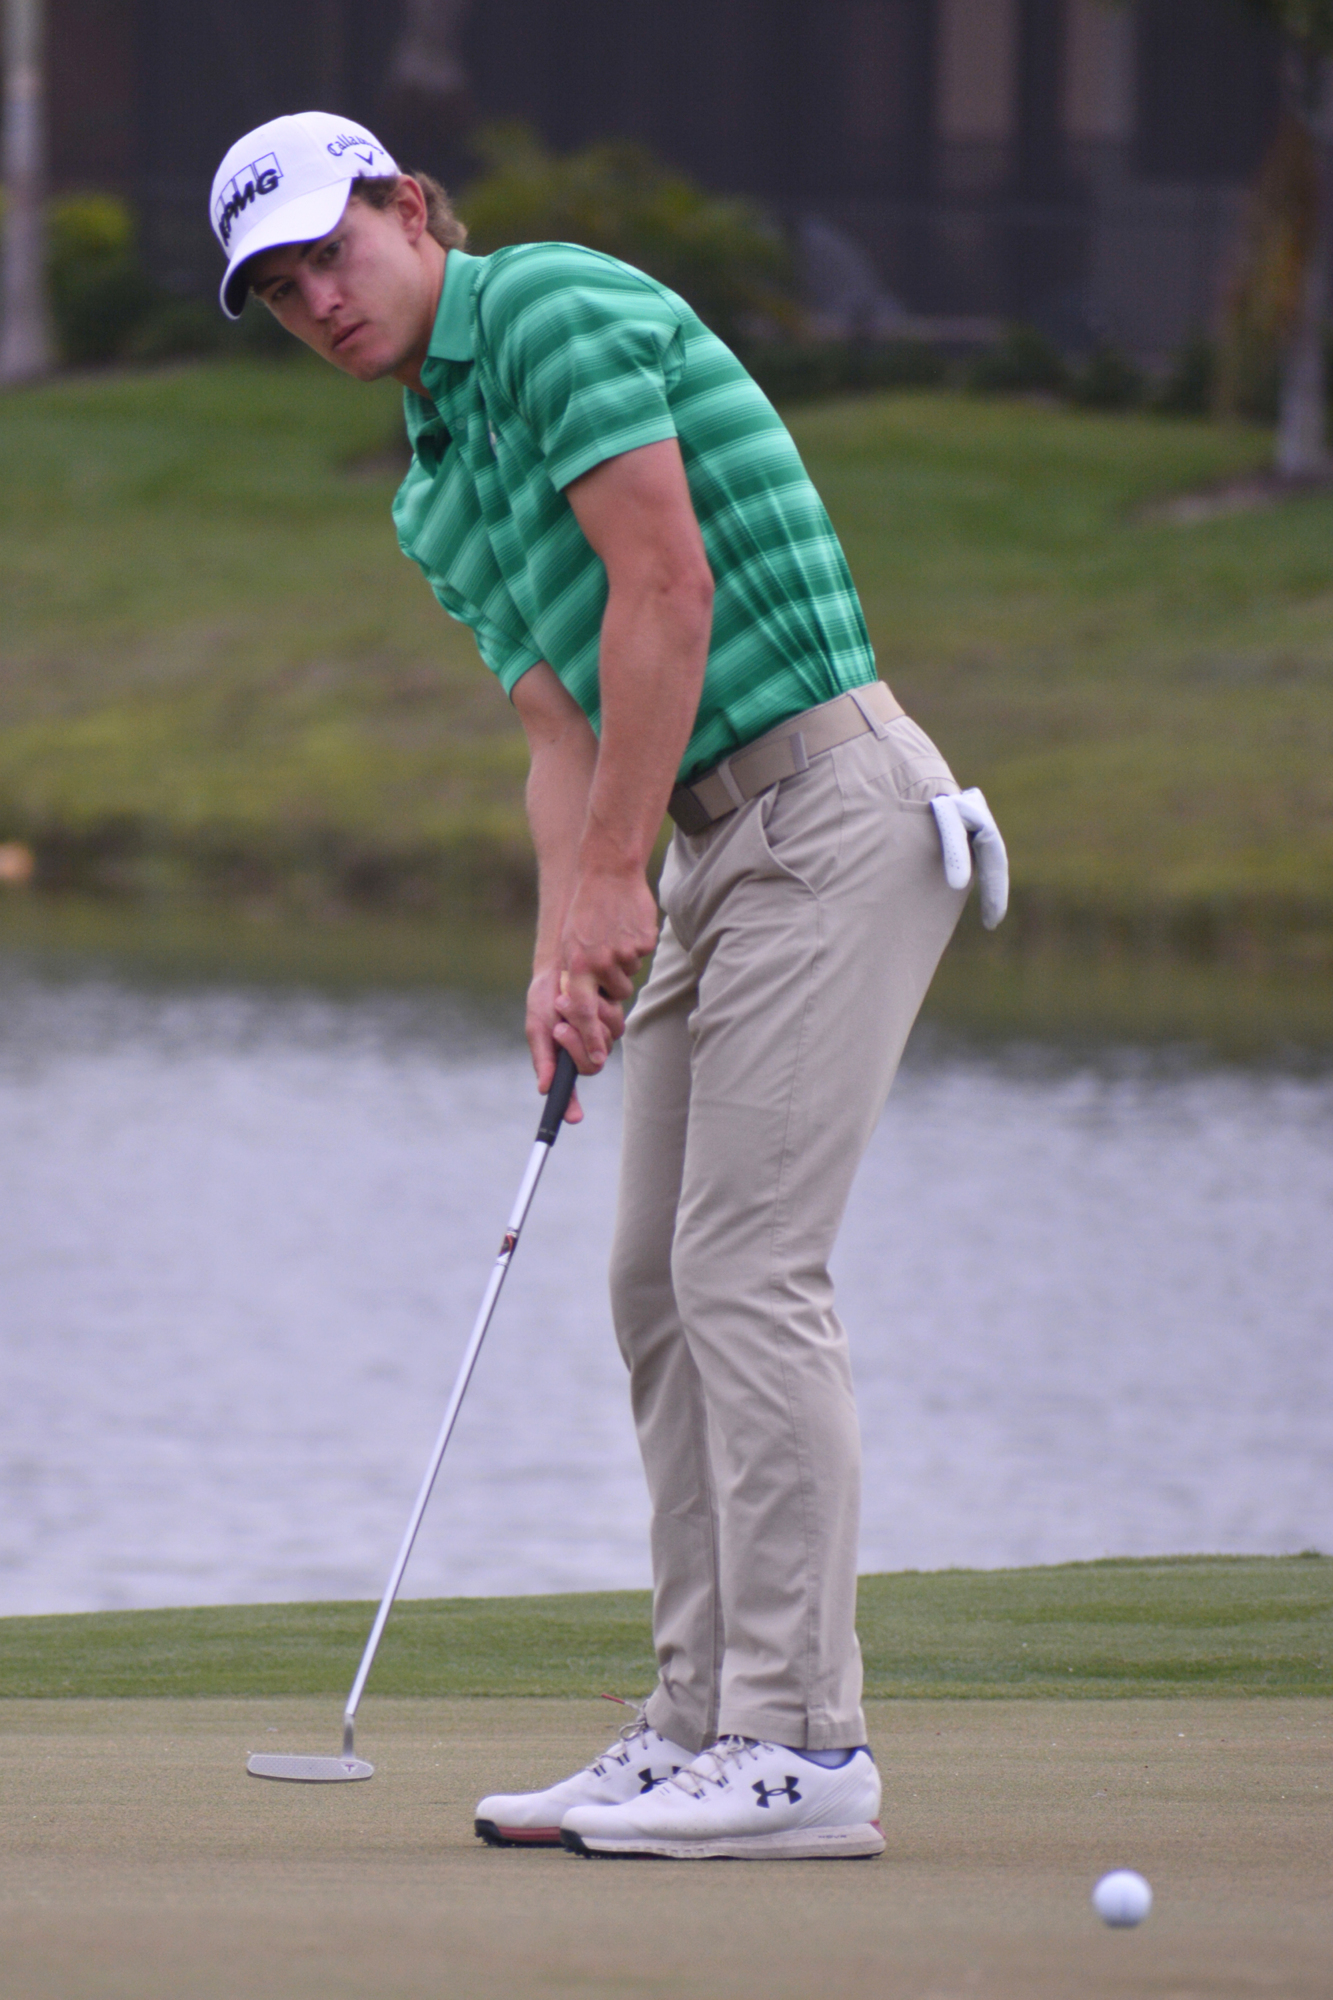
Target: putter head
(311, 1770)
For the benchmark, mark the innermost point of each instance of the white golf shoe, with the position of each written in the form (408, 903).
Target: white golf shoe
(638, 1759)
(743, 1801)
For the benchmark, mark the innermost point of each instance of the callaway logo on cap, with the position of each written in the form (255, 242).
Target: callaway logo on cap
(287, 182)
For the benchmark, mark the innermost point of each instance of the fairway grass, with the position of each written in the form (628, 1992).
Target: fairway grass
(1188, 1625)
(138, 1861)
(217, 671)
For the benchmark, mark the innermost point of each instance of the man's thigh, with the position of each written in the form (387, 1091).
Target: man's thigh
(657, 1099)
(813, 927)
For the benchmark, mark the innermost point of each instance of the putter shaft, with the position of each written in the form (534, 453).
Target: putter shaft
(557, 1102)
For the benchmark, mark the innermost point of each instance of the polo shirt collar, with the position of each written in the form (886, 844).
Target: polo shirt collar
(452, 339)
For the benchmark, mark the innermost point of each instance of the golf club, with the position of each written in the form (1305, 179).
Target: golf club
(335, 1770)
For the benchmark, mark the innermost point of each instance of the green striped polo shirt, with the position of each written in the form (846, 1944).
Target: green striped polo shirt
(547, 359)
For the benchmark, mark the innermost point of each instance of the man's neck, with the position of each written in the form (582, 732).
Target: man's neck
(408, 371)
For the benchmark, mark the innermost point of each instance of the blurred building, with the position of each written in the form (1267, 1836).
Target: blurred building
(1074, 162)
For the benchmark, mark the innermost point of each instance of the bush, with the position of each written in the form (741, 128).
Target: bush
(722, 255)
(1024, 360)
(798, 372)
(1108, 380)
(1247, 375)
(1190, 385)
(256, 332)
(106, 307)
(100, 291)
(174, 328)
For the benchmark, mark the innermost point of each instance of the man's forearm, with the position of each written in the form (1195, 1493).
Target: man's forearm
(654, 649)
(559, 782)
(636, 512)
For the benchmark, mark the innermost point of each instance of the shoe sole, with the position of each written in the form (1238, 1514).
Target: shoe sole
(812, 1843)
(516, 1836)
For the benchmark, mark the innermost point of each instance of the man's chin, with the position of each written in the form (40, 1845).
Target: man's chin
(365, 360)
(361, 367)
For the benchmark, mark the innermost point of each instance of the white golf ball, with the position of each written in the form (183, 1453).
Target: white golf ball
(1122, 1898)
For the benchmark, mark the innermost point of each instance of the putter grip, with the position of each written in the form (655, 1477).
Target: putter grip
(557, 1098)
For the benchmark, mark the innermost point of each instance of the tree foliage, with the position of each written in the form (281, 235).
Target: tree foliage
(721, 254)
(1309, 22)
(1273, 326)
(1265, 297)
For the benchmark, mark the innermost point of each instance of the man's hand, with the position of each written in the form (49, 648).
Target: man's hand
(543, 1020)
(610, 928)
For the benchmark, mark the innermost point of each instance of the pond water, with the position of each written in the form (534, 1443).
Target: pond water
(244, 1233)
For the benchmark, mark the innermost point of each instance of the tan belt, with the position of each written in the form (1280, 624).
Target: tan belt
(781, 753)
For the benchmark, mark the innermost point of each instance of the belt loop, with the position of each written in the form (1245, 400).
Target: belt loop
(799, 755)
(872, 721)
(729, 785)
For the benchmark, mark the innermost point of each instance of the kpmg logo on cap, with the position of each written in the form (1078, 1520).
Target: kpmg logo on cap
(352, 142)
(259, 178)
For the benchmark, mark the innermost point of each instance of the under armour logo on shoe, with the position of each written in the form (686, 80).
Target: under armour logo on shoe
(648, 1777)
(786, 1791)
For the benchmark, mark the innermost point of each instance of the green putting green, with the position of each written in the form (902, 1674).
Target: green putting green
(139, 1862)
(1185, 1625)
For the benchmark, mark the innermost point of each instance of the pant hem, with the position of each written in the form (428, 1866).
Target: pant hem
(661, 1714)
(793, 1731)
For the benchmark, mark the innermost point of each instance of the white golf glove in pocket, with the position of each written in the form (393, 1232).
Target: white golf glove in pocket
(967, 828)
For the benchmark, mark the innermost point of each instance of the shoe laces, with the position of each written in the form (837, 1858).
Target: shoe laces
(716, 1764)
(622, 1749)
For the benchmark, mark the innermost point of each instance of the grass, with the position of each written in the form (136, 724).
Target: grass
(1202, 1625)
(217, 668)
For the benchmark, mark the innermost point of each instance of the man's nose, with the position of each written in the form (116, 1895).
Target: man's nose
(322, 296)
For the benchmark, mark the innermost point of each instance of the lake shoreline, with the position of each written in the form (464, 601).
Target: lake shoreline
(1119, 1627)
(1081, 989)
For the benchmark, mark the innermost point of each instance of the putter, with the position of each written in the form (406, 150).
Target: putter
(341, 1770)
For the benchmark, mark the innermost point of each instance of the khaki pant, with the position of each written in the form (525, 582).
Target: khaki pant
(801, 935)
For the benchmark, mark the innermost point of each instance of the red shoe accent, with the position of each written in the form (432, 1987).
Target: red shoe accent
(878, 1828)
(531, 1836)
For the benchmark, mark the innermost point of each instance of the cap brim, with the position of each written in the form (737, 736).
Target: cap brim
(303, 220)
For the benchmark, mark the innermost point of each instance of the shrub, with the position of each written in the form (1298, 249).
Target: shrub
(723, 255)
(256, 332)
(1023, 360)
(174, 328)
(100, 291)
(1108, 380)
(1190, 384)
(797, 372)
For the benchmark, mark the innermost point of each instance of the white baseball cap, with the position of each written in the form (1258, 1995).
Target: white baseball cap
(287, 182)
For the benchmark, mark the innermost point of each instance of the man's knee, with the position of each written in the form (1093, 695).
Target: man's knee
(746, 1270)
(640, 1286)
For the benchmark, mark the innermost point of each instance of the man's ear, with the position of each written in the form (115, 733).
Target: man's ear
(410, 205)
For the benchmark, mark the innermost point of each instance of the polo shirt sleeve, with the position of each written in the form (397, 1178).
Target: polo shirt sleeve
(586, 350)
(508, 656)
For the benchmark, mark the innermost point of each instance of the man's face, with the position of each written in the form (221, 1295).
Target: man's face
(359, 296)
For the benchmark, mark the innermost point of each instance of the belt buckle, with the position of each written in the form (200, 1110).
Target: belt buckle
(687, 811)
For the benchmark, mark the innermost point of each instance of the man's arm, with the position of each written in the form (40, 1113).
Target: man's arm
(636, 512)
(563, 755)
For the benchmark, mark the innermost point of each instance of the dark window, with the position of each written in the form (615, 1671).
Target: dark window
(860, 91)
(1207, 89)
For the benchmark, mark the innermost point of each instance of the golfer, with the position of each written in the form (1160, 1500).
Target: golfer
(603, 494)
